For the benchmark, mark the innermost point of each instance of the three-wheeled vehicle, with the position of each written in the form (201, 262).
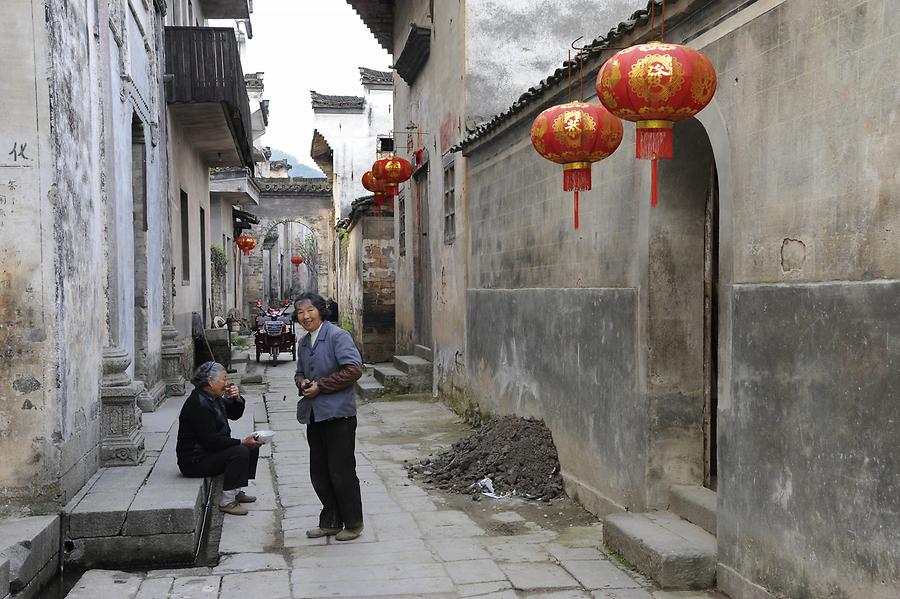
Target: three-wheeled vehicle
(275, 334)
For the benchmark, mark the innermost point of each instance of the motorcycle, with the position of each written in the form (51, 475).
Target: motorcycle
(275, 334)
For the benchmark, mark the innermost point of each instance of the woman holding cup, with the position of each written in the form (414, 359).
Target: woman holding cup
(205, 446)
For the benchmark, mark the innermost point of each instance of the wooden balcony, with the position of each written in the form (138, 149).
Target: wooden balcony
(206, 94)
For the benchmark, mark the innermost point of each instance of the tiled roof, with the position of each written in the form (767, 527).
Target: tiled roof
(373, 77)
(319, 185)
(640, 18)
(378, 15)
(326, 101)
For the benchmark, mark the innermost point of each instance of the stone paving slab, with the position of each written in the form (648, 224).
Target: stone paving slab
(250, 562)
(106, 583)
(265, 585)
(154, 588)
(533, 576)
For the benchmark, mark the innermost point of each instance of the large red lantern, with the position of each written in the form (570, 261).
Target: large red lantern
(655, 85)
(377, 187)
(297, 261)
(393, 171)
(575, 135)
(245, 243)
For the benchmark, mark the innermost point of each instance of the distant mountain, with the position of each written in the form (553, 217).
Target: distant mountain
(299, 169)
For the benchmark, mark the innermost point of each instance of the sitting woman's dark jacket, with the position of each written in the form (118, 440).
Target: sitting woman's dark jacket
(203, 426)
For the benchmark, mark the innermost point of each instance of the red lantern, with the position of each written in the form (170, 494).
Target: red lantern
(245, 243)
(377, 187)
(655, 85)
(297, 261)
(392, 171)
(575, 135)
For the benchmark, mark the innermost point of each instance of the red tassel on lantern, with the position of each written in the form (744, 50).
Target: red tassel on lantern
(575, 135)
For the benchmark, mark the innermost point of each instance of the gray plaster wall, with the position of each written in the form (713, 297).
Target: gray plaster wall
(377, 260)
(511, 45)
(567, 356)
(809, 494)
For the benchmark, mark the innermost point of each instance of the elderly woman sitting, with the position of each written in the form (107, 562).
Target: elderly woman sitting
(205, 446)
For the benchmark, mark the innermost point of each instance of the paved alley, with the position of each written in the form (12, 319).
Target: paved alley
(417, 543)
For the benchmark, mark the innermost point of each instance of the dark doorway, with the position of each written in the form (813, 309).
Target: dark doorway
(710, 328)
(203, 288)
(422, 262)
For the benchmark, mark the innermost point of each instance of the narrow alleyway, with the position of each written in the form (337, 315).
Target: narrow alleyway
(417, 543)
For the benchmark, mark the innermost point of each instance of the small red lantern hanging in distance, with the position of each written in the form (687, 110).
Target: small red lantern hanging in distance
(575, 135)
(245, 243)
(297, 261)
(656, 85)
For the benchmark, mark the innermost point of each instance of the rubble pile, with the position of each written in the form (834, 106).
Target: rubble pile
(515, 454)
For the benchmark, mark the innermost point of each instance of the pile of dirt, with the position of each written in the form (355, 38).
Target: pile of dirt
(517, 454)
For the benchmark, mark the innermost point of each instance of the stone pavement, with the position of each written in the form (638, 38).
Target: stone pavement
(417, 543)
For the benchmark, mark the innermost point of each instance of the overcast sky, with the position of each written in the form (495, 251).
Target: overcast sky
(302, 45)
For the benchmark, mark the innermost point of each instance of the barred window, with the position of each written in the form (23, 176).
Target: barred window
(401, 228)
(449, 204)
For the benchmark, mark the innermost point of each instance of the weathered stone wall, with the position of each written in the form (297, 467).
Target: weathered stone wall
(567, 356)
(812, 423)
(378, 292)
(28, 305)
(805, 280)
(69, 286)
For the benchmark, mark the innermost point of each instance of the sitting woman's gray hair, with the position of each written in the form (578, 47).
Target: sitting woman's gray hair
(204, 372)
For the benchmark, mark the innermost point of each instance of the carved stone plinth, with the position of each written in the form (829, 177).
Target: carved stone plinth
(173, 361)
(122, 442)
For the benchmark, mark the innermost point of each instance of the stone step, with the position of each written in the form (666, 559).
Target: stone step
(673, 552)
(424, 352)
(419, 371)
(368, 388)
(393, 379)
(695, 504)
(29, 554)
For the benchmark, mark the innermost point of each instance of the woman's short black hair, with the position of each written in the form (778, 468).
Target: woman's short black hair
(316, 300)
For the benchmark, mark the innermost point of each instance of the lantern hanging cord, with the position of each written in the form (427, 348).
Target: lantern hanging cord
(569, 63)
(580, 68)
(662, 25)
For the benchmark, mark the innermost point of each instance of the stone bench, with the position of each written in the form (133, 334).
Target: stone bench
(146, 515)
(137, 516)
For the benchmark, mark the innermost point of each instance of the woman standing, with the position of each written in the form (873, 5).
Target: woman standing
(328, 364)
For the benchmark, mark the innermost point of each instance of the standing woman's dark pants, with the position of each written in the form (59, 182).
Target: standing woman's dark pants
(332, 469)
